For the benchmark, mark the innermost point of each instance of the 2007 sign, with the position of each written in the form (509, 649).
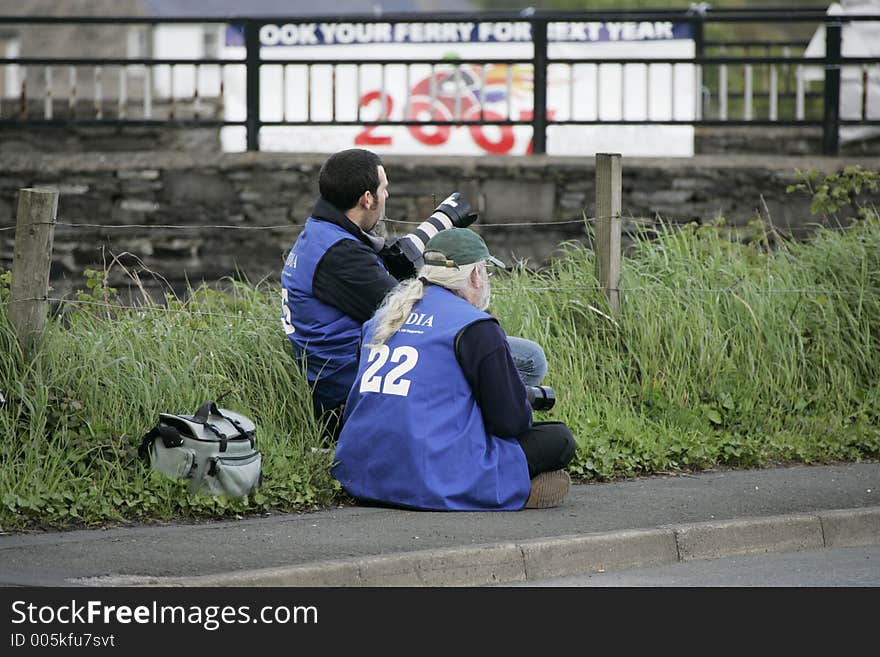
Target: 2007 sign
(453, 94)
(420, 109)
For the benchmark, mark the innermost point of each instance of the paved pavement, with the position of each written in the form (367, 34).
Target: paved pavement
(847, 567)
(600, 527)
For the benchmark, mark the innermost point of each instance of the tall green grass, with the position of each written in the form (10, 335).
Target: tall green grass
(74, 417)
(725, 353)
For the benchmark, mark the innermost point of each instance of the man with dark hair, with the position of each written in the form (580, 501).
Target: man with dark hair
(339, 270)
(347, 174)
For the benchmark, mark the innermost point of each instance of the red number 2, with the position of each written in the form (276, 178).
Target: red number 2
(366, 137)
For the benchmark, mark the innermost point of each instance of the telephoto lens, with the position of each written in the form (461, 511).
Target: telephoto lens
(541, 398)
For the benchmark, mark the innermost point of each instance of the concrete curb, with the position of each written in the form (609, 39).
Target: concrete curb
(561, 556)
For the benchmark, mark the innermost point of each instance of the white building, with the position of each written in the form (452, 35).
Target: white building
(859, 85)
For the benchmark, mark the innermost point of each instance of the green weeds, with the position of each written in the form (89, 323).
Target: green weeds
(725, 353)
(73, 418)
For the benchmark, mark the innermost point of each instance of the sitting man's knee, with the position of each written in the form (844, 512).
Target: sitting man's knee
(530, 360)
(569, 448)
(564, 443)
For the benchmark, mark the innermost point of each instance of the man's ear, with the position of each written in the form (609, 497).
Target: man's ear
(366, 200)
(475, 277)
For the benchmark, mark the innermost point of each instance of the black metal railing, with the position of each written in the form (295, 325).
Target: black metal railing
(726, 92)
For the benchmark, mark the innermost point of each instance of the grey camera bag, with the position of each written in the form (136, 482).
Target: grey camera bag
(214, 450)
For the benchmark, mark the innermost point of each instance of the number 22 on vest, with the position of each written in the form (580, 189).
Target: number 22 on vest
(392, 382)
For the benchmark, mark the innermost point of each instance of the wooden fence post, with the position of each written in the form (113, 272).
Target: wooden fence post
(34, 232)
(608, 201)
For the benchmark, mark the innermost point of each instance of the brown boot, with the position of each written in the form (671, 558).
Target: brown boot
(548, 489)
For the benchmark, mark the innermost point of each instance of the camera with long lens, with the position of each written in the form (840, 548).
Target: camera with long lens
(541, 398)
(403, 256)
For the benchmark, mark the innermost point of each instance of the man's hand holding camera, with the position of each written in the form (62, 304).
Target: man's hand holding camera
(458, 209)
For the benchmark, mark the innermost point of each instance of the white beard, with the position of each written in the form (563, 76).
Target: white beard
(485, 296)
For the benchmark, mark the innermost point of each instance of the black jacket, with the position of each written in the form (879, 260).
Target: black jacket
(348, 278)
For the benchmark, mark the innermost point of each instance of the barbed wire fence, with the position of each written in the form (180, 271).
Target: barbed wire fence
(27, 324)
(152, 307)
(637, 221)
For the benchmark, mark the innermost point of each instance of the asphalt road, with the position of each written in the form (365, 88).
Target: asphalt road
(637, 523)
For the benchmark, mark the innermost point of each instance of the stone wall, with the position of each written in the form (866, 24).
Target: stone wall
(190, 217)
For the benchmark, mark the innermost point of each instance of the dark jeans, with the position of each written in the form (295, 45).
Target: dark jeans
(548, 446)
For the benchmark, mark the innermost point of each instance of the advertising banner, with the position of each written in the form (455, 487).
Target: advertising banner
(468, 91)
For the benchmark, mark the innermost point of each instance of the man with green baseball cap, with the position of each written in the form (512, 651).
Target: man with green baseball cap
(439, 416)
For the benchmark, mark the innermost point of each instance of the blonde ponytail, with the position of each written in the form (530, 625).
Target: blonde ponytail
(398, 305)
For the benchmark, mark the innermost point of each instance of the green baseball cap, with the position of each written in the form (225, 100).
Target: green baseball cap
(455, 247)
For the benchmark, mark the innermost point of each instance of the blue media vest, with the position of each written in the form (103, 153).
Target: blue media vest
(323, 338)
(413, 434)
